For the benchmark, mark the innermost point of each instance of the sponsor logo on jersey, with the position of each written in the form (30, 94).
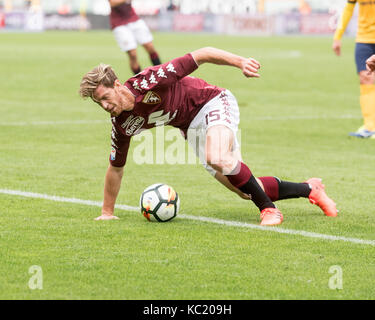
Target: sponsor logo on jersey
(144, 84)
(132, 125)
(170, 68)
(152, 79)
(113, 154)
(161, 73)
(136, 85)
(151, 98)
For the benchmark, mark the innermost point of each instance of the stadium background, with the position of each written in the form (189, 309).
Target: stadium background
(247, 17)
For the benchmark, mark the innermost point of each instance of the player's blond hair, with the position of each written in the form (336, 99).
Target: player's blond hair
(103, 74)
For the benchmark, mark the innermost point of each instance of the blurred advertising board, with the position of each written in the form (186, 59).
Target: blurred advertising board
(188, 22)
(250, 24)
(66, 22)
(22, 21)
(246, 24)
(316, 24)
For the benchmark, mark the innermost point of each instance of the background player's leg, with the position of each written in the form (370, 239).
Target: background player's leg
(133, 60)
(367, 99)
(128, 43)
(367, 91)
(154, 56)
(144, 37)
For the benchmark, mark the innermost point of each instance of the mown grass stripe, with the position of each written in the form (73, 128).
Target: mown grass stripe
(195, 218)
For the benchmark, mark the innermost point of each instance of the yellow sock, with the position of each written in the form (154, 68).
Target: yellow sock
(367, 101)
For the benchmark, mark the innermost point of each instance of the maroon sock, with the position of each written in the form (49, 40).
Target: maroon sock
(278, 189)
(240, 175)
(243, 179)
(155, 58)
(271, 187)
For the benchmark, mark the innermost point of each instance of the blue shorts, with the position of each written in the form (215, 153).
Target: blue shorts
(363, 51)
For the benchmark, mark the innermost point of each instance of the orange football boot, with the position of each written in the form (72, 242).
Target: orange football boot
(271, 217)
(319, 197)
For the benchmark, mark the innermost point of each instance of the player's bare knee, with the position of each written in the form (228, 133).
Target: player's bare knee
(222, 163)
(365, 78)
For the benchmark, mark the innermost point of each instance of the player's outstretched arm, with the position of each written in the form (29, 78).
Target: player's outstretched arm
(370, 63)
(112, 186)
(249, 66)
(341, 26)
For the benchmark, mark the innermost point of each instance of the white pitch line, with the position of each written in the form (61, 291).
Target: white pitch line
(62, 199)
(195, 218)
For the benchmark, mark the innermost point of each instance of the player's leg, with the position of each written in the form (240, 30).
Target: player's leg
(313, 189)
(212, 135)
(133, 61)
(128, 43)
(144, 37)
(154, 56)
(219, 155)
(367, 91)
(224, 180)
(277, 189)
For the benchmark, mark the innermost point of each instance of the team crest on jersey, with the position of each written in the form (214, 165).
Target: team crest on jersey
(151, 98)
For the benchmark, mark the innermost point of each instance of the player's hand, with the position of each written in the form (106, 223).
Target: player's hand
(244, 196)
(370, 64)
(107, 217)
(336, 47)
(250, 68)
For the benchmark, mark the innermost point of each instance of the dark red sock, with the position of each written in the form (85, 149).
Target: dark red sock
(271, 187)
(240, 175)
(155, 58)
(243, 179)
(278, 189)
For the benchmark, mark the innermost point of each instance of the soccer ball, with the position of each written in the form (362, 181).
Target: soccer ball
(159, 202)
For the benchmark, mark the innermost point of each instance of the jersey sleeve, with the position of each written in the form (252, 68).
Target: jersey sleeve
(119, 147)
(344, 19)
(163, 75)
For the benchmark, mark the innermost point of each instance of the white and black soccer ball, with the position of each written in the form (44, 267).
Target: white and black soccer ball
(159, 202)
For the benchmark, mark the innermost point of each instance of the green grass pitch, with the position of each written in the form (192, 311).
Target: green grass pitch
(294, 124)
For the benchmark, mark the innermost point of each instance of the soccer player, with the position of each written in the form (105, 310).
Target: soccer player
(166, 94)
(365, 47)
(129, 31)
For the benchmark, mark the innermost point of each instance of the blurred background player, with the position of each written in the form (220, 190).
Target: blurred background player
(129, 31)
(365, 47)
(166, 95)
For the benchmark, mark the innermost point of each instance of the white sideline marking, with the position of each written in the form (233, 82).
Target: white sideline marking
(260, 118)
(196, 218)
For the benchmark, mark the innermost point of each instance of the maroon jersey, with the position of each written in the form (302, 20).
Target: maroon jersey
(122, 14)
(164, 95)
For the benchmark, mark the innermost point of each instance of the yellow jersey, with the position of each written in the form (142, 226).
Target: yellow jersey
(366, 20)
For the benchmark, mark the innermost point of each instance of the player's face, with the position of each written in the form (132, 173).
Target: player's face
(111, 100)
